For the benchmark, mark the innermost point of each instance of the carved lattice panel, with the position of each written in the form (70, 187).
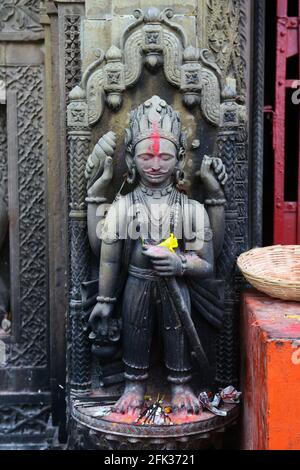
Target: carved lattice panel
(25, 84)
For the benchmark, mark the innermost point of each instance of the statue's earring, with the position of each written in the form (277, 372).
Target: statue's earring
(131, 175)
(179, 177)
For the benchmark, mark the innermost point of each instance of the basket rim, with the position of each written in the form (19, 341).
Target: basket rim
(264, 279)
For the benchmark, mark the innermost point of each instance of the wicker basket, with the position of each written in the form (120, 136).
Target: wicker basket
(274, 270)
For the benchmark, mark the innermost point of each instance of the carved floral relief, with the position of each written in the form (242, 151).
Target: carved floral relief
(19, 15)
(226, 38)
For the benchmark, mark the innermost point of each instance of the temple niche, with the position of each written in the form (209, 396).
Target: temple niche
(152, 317)
(127, 190)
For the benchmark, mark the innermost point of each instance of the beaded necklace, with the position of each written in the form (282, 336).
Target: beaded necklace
(141, 198)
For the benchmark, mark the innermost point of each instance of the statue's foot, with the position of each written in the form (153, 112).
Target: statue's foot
(132, 399)
(184, 400)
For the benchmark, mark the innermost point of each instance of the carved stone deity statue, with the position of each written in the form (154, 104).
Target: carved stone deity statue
(158, 252)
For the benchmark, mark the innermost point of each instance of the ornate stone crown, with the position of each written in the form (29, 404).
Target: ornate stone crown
(155, 116)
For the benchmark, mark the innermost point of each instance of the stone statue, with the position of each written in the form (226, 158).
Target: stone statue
(158, 249)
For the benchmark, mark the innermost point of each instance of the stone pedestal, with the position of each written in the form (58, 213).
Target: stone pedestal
(270, 370)
(90, 430)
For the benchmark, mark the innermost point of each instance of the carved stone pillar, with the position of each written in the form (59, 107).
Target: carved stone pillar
(79, 140)
(25, 406)
(232, 152)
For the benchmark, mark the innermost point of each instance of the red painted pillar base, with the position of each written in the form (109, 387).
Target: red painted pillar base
(270, 373)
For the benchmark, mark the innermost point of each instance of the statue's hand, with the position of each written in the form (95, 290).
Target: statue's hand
(99, 318)
(213, 175)
(165, 263)
(99, 168)
(100, 186)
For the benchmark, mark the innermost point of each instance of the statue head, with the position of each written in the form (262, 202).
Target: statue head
(155, 144)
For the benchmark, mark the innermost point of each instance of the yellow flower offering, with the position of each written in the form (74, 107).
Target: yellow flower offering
(170, 243)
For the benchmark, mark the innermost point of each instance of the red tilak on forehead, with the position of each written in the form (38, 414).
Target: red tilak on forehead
(155, 140)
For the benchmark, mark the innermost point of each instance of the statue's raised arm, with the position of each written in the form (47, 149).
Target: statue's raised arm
(98, 173)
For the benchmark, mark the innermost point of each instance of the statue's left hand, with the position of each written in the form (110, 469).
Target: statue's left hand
(213, 175)
(165, 263)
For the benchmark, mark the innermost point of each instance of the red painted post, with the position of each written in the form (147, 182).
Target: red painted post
(279, 119)
(286, 213)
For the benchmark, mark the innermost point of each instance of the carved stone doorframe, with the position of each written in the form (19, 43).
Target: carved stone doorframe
(25, 406)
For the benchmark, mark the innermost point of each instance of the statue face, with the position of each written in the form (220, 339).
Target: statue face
(155, 160)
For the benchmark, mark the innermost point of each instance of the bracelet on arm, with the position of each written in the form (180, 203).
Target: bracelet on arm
(106, 300)
(215, 202)
(95, 200)
(183, 263)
